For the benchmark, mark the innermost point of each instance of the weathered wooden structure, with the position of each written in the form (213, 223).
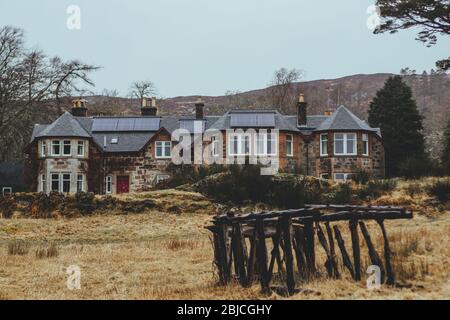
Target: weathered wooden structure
(241, 243)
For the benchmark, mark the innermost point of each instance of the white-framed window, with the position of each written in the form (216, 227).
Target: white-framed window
(163, 149)
(60, 182)
(115, 140)
(238, 144)
(266, 144)
(324, 144)
(80, 182)
(161, 177)
(67, 148)
(325, 176)
(289, 145)
(44, 148)
(80, 148)
(7, 190)
(342, 176)
(345, 144)
(43, 183)
(108, 184)
(215, 146)
(365, 144)
(56, 148)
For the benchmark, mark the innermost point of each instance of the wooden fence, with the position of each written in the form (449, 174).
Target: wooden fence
(293, 233)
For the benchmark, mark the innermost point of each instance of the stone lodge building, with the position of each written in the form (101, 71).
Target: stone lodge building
(109, 155)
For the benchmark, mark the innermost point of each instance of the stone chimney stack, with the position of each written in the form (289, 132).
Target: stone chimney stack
(79, 108)
(149, 110)
(301, 111)
(199, 106)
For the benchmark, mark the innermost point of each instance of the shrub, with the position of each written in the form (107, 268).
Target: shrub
(375, 188)
(361, 176)
(19, 248)
(440, 190)
(188, 174)
(49, 252)
(84, 202)
(413, 189)
(342, 194)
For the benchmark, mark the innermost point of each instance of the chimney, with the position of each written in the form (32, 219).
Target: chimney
(149, 110)
(301, 111)
(79, 108)
(199, 106)
(328, 112)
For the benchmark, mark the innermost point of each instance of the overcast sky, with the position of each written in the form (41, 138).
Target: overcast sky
(207, 47)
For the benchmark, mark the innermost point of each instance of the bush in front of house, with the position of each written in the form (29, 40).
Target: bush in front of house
(375, 188)
(441, 190)
(245, 183)
(342, 193)
(188, 174)
(361, 176)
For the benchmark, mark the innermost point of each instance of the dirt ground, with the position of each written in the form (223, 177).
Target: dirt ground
(166, 255)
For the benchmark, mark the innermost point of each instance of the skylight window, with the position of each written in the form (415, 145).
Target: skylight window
(114, 140)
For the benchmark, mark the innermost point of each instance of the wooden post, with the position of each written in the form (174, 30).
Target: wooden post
(310, 247)
(355, 247)
(374, 257)
(332, 251)
(323, 242)
(251, 258)
(299, 238)
(217, 255)
(261, 255)
(286, 227)
(275, 254)
(222, 230)
(239, 254)
(390, 278)
(345, 256)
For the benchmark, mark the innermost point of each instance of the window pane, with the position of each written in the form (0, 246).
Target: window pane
(66, 149)
(56, 148)
(260, 144)
(350, 146)
(66, 182)
(339, 146)
(234, 146)
(55, 182)
(167, 149)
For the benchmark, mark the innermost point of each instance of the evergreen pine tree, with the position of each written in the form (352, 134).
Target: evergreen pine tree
(395, 112)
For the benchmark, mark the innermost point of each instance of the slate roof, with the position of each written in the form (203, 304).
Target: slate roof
(69, 126)
(343, 119)
(65, 126)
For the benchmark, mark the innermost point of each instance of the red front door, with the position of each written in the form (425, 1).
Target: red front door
(123, 184)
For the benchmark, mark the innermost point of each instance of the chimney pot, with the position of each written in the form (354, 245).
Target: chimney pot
(79, 108)
(199, 106)
(149, 110)
(301, 111)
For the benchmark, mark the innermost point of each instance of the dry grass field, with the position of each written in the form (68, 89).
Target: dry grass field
(168, 255)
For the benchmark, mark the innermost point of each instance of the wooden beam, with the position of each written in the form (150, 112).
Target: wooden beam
(374, 257)
(323, 242)
(390, 277)
(239, 253)
(261, 256)
(332, 252)
(353, 226)
(345, 257)
(286, 227)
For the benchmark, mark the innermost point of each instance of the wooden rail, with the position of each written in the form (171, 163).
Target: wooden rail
(241, 251)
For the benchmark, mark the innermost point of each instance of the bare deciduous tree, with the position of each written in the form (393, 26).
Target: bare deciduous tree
(142, 89)
(281, 92)
(30, 82)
